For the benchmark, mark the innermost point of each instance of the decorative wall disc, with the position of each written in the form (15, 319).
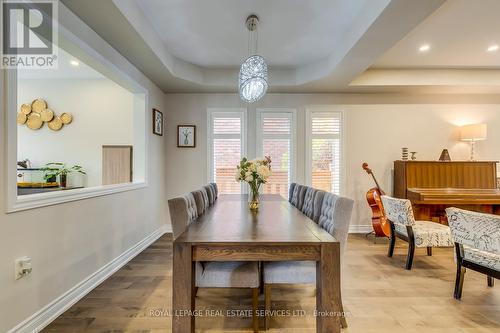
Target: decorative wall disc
(55, 124)
(34, 121)
(38, 105)
(66, 118)
(47, 115)
(26, 109)
(21, 118)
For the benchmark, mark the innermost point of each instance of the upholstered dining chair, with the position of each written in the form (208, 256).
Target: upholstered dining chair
(205, 197)
(298, 194)
(335, 217)
(216, 189)
(217, 274)
(313, 199)
(290, 191)
(426, 234)
(477, 244)
(210, 193)
(201, 205)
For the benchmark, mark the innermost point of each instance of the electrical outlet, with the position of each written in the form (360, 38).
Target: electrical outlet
(22, 267)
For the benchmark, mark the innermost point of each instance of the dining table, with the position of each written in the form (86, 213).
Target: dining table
(277, 231)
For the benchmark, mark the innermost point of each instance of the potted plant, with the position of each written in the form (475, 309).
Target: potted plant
(54, 169)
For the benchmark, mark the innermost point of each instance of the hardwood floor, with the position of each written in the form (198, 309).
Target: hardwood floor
(379, 296)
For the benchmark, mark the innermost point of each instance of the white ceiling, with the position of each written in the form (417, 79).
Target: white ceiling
(291, 33)
(459, 33)
(316, 46)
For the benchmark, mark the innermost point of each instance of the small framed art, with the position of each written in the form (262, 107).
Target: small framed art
(186, 136)
(157, 122)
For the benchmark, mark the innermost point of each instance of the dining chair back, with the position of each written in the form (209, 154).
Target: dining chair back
(335, 217)
(290, 191)
(313, 200)
(210, 193)
(216, 189)
(183, 211)
(298, 196)
(200, 202)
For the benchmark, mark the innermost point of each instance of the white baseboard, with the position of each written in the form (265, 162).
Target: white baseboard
(46, 315)
(360, 229)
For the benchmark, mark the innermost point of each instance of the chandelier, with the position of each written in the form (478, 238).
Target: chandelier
(252, 81)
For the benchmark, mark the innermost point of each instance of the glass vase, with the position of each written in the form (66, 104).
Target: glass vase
(253, 197)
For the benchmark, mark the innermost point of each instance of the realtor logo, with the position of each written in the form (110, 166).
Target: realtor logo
(29, 34)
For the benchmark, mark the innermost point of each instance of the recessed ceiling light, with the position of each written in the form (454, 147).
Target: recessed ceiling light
(424, 48)
(493, 48)
(74, 63)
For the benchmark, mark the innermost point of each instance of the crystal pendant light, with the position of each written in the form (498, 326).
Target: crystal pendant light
(253, 72)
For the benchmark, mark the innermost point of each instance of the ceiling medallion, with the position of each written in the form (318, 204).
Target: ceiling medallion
(252, 82)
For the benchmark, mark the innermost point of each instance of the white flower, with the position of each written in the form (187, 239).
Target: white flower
(263, 171)
(248, 176)
(253, 167)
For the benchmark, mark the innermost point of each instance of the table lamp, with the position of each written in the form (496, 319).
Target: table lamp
(473, 133)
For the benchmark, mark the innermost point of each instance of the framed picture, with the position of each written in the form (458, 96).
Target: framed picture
(186, 136)
(157, 122)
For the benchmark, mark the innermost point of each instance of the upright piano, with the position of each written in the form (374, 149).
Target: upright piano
(432, 186)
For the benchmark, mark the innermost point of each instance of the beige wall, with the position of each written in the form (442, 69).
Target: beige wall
(69, 242)
(376, 127)
(103, 114)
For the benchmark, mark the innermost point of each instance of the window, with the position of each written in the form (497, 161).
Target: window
(324, 135)
(226, 147)
(275, 133)
(67, 120)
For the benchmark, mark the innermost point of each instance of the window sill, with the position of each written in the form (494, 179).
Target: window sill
(31, 201)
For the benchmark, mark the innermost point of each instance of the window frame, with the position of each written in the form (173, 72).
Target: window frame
(293, 135)
(15, 203)
(325, 110)
(227, 112)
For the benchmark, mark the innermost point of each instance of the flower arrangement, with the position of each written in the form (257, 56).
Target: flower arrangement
(255, 173)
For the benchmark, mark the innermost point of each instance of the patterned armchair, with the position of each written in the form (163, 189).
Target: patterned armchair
(477, 244)
(417, 233)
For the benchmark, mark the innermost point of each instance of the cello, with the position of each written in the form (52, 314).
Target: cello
(381, 226)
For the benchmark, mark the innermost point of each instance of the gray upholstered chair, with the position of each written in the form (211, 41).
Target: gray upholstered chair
(477, 244)
(335, 217)
(217, 274)
(210, 193)
(427, 234)
(200, 201)
(313, 199)
(298, 194)
(216, 189)
(290, 191)
(205, 197)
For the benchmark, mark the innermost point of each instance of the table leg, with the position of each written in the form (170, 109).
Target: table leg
(328, 302)
(182, 289)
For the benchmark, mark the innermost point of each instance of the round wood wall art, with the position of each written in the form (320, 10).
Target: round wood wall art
(47, 115)
(55, 124)
(34, 121)
(38, 105)
(21, 118)
(26, 109)
(66, 118)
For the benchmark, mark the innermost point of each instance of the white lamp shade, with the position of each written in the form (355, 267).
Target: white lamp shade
(473, 132)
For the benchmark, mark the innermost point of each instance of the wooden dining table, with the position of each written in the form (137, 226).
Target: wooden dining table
(229, 231)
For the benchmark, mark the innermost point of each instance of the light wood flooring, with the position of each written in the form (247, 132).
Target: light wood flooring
(379, 295)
